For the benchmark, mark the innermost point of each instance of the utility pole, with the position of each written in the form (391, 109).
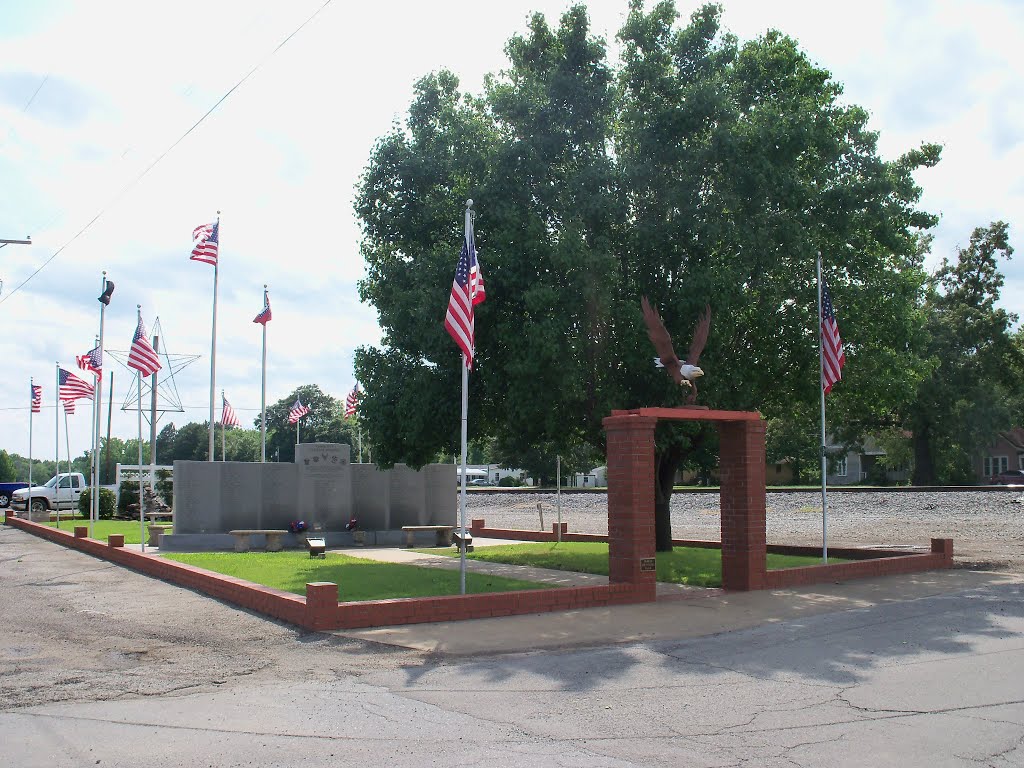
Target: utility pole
(5, 242)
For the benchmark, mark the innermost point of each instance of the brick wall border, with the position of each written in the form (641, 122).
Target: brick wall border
(320, 610)
(868, 562)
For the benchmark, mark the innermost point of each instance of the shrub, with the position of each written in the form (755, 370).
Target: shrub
(107, 501)
(508, 482)
(128, 493)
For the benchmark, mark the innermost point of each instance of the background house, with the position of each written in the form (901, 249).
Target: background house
(1007, 452)
(861, 465)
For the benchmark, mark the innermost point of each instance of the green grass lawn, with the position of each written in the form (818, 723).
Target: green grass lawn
(101, 528)
(357, 579)
(695, 566)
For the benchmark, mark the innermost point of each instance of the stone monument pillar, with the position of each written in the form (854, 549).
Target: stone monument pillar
(325, 485)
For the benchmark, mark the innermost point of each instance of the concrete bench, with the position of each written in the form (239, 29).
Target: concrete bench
(155, 531)
(243, 539)
(168, 515)
(443, 534)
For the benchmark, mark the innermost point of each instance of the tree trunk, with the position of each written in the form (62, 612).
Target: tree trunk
(924, 464)
(666, 464)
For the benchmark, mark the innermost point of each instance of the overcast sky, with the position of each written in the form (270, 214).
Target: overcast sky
(91, 94)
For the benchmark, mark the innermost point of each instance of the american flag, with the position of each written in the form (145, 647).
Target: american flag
(69, 406)
(70, 387)
(91, 361)
(142, 357)
(467, 292)
(297, 412)
(352, 401)
(264, 317)
(227, 415)
(37, 398)
(206, 239)
(833, 357)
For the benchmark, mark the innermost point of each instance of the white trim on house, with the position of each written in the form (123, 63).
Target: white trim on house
(993, 465)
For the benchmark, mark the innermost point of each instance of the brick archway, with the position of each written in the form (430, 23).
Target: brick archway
(631, 494)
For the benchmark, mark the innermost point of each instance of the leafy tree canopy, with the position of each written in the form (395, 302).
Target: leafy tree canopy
(325, 423)
(976, 362)
(697, 169)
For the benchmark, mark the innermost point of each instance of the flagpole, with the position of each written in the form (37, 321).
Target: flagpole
(67, 445)
(94, 512)
(462, 495)
(152, 417)
(263, 390)
(359, 440)
(56, 432)
(142, 512)
(821, 390)
(92, 441)
(31, 409)
(213, 342)
(464, 430)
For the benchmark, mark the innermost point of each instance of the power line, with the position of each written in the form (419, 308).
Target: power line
(166, 152)
(36, 93)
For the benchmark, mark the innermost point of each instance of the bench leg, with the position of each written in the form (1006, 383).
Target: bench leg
(273, 542)
(409, 538)
(444, 538)
(241, 543)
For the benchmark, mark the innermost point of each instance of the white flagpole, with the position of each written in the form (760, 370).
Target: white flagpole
(56, 432)
(92, 442)
(94, 512)
(67, 446)
(462, 494)
(213, 343)
(142, 510)
(359, 439)
(298, 430)
(153, 394)
(32, 390)
(464, 428)
(263, 390)
(824, 458)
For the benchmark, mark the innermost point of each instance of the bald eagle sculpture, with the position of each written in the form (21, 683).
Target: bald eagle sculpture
(683, 372)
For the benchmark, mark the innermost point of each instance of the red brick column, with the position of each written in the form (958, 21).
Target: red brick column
(944, 547)
(631, 500)
(742, 469)
(321, 604)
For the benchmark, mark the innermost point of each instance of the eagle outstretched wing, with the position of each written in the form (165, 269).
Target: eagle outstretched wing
(662, 341)
(700, 336)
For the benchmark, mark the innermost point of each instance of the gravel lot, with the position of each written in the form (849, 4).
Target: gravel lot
(987, 527)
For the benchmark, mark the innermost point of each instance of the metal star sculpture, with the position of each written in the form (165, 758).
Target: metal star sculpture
(168, 399)
(683, 372)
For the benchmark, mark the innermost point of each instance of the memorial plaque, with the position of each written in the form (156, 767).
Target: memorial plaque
(647, 564)
(321, 459)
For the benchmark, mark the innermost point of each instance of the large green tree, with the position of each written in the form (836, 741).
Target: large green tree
(696, 171)
(325, 423)
(976, 362)
(8, 473)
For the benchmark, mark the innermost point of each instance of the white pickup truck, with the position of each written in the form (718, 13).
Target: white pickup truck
(41, 498)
